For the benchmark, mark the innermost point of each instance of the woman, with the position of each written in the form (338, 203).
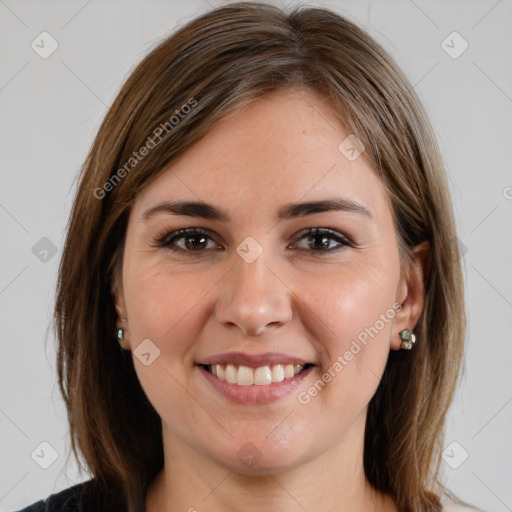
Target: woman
(260, 300)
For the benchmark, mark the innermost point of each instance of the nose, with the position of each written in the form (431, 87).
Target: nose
(253, 298)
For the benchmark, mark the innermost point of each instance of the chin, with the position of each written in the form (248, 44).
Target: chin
(266, 465)
(265, 456)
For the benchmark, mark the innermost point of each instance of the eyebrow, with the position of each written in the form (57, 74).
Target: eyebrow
(288, 211)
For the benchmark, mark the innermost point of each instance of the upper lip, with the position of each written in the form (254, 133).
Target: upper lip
(253, 361)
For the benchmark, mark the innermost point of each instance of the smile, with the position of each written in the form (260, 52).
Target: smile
(247, 378)
(261, 376)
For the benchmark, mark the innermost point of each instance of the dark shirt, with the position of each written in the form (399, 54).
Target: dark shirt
(82, 497)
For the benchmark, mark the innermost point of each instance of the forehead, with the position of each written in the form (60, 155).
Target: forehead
(281, 148)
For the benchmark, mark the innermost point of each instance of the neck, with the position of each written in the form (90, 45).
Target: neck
(333, 481)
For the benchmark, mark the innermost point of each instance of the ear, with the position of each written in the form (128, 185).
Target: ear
(120, 305)
(411, 293)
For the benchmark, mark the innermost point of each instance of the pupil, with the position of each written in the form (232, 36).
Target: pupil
(324, 240)
(196, 237)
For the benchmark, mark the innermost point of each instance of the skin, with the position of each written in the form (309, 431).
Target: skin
(293, 298)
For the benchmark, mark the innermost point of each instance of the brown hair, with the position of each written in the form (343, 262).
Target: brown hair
(216, 64)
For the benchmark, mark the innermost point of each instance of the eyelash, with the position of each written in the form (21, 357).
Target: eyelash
(169, 238)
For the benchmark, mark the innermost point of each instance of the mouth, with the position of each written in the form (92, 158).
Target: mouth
(255, 379)
(260, 376)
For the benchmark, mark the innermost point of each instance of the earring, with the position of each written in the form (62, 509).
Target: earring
(120, 331)
(408, 339)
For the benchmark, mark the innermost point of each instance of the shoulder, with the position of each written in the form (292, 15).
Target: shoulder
(78, 497)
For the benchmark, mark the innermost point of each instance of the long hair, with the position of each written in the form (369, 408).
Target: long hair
(211, 67)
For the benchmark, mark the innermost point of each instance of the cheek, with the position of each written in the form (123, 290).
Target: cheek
(351, 314)
(351, 299)
(164, 304)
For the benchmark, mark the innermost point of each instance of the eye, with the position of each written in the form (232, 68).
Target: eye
(193, 240)
(320, 240)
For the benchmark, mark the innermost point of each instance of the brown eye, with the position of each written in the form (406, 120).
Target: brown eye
(192, 240)
(320, 240)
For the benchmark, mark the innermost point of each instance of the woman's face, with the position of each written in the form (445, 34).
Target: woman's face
(254, 293)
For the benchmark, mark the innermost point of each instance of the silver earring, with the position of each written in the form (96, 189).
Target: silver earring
(408, 339)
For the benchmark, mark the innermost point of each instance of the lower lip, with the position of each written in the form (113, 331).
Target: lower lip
(254, 394)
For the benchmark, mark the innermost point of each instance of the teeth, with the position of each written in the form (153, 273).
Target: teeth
(245, 376)
(220, 371)
(262, 376)
(289, 371)
(231, 374)
(277, 373)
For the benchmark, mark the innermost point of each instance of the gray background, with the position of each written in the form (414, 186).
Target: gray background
(51, 108)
